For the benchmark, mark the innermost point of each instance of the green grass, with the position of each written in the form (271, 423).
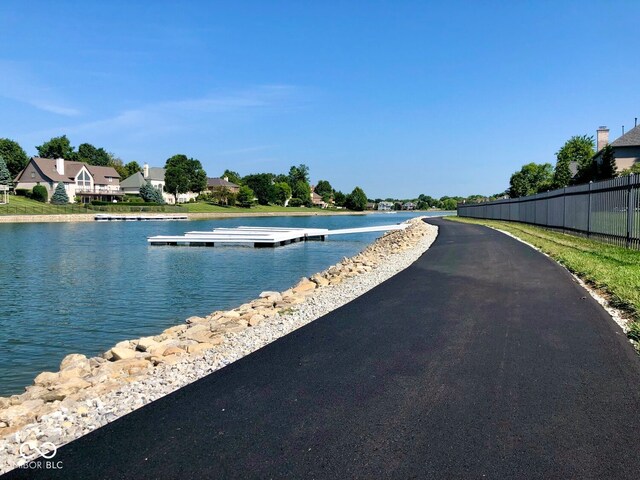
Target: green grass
(613, 270)
(26, 206)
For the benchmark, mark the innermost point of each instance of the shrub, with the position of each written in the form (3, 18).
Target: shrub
(245, 197)
(40, 194)
(295, 202)
(23, 192)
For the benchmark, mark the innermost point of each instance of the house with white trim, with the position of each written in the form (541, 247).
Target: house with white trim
(154, 175)
(87, 182)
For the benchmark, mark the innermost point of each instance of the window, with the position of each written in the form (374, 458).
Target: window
(33, 174)
(83, 180)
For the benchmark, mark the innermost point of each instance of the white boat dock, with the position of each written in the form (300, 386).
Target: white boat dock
(260, 236)
(139, 218)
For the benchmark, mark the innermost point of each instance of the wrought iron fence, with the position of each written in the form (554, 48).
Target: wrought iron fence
(608, 210)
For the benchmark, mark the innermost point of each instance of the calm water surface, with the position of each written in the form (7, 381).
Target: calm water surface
(81, 287)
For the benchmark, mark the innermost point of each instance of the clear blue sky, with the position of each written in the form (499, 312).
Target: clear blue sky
(401, 98)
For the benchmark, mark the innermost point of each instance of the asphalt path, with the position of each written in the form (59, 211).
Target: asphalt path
(484, 359)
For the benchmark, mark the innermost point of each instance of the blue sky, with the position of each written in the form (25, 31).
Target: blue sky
(401, 98)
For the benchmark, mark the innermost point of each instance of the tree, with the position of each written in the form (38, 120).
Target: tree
(222, 195)
(245, 197)
(262, 186)
(60, 196)
(302, 191)
(5, 175)
(14, 155)
(356, 200)
(149, 193)
(57, 147)
(607, 169)
(131, 168)
(530, 179)
(282, 193)
(234, 177)
(93, 156)
(339, 198)
(579, 149)
(298, 174)
(184, 175)
(449, 204)
(324, 189)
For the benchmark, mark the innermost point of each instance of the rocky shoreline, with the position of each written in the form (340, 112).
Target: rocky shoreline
(87, 393)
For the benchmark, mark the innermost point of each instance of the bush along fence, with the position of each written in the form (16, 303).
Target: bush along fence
(608, 210)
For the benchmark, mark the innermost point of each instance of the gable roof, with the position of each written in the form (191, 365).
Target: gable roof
(156, 173)
(629, 139)
(220, 182)
(47, 166)
(134, 181)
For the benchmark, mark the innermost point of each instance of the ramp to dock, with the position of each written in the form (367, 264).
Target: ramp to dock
(259, 236)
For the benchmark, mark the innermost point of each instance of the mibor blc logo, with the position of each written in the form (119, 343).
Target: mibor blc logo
(44, 452)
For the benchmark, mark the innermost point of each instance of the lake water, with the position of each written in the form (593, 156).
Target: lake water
(82, 287)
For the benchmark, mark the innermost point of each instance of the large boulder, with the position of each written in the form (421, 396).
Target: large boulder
(120, 353)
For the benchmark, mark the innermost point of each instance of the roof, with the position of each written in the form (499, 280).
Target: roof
(48, 168)
(134, 181)
(156, 173)
(220, 182)
(315, 198)
(629, 139)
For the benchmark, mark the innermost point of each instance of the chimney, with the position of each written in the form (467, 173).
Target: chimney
(60, 166)
(602, 138)
(145, 170)
(226, 179)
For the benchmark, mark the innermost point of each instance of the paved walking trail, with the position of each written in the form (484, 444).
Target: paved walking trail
(483, 359)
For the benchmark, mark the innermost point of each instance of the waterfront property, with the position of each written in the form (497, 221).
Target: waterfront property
(626, 149)
(385, 206)
(88, 182)
(155, 176)
(216, 183)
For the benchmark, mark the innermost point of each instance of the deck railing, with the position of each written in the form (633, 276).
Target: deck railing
(608, 210)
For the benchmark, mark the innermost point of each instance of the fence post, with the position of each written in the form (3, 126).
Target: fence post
(564, 207)
(630, 210)
(589, 211)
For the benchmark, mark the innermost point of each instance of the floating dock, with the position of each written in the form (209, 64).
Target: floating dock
(259, 237)
(139, 218)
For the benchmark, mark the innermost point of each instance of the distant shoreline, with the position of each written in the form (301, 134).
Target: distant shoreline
(80, 217)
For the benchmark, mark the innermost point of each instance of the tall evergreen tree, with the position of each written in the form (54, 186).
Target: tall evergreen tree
(5, 175)
(60, 196)
(149, 193)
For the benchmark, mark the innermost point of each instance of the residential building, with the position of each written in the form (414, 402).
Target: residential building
(385, 206)
(81, 180)
(626, 149)
(213, 183)
(154, 175)
(408, 206)
(317, 201)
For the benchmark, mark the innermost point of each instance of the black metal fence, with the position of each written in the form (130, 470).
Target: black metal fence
(48, 209)
(608, 210)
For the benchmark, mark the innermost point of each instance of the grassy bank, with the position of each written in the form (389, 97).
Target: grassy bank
(615, 271)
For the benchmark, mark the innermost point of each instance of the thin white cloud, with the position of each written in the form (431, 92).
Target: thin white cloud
(178, 115)
(17, 83)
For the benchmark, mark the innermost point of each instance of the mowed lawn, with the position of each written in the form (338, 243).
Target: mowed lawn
(613, 270)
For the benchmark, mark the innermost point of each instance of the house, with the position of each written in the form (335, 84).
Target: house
(213, 183)
(408, 206)
(87, 182)
(317, 201)
(385, 206)
(154, 175)
(626, 149)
